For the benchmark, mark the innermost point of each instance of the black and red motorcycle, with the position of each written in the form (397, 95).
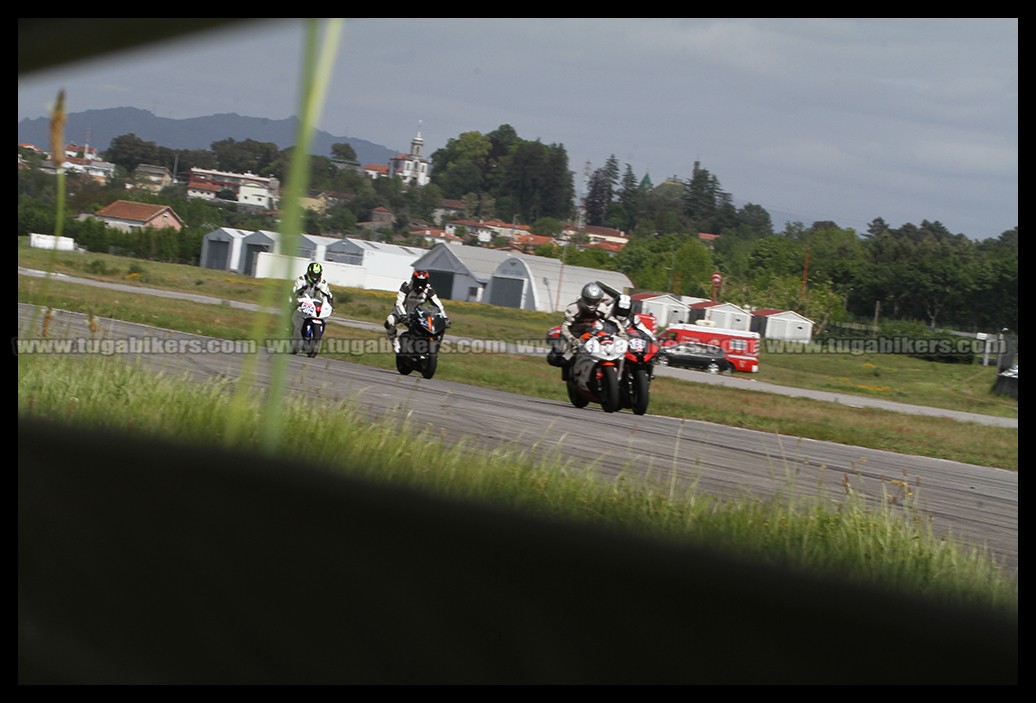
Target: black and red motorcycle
(419, 344)
(638, 369)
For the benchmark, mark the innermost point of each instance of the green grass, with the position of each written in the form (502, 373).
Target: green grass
(891, 547)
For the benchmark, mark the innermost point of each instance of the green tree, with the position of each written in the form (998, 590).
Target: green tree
(343, 151)
(129, 151)
(461, 165)
(836, 255)
(755, 220)
(423, 202)
(598, 198)
(35, 216)
(629, 201)
(247, 156)
(548, 227)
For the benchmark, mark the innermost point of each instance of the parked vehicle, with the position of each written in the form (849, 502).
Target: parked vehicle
(314, 312)
(638, 368)
(419, 343)
(695, 355)
(740, 348)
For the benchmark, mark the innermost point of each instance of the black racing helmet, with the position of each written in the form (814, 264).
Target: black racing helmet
(314, 272)
(419, 280)
(591, 297)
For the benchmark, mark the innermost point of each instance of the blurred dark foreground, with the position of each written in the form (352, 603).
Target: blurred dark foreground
(142, 562)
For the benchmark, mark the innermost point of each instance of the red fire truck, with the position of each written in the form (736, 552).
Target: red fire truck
(741, 348)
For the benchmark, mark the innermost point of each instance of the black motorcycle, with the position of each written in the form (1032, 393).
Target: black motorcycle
(419, 343)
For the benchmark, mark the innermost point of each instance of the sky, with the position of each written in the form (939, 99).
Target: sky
(835, 119)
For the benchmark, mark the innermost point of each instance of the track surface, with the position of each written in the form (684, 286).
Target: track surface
(976, 504)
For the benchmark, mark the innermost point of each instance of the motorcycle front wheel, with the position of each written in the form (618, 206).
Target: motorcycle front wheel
(431, 362)
(640, 389)
(609, 389)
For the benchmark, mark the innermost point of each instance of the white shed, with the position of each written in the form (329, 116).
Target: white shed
(314, 246)
(254, 244)
(545, 284)
(782, 324)
(355, 263)
(221, 249)
(726, 315)
(459, 271)
(387, 265)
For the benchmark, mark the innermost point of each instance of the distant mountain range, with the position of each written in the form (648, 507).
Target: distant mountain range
(97, 128)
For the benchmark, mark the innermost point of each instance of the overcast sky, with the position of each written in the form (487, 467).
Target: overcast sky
(826, 119)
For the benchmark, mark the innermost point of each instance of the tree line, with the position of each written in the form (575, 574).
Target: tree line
(830, 274)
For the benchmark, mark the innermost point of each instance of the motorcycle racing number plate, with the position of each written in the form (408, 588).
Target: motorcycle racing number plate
(637, 344)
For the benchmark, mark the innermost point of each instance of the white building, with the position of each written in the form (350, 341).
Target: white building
(258, 191)
(666, 308)
(413, 168)
(348, 262)
(726, 315)
(221, 249)
(510, 278)
(782, 324)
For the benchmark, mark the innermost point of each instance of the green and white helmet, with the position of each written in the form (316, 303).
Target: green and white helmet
(314, 272)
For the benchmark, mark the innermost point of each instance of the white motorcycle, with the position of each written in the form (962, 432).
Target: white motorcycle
(314, 312)
(596, 369)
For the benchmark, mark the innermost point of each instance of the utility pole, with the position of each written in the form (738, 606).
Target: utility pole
(561, 275)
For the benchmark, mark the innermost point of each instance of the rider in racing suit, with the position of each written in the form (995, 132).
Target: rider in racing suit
(580, 317)
(412, 294)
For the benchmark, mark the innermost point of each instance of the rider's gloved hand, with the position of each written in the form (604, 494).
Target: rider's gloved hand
(448, 323)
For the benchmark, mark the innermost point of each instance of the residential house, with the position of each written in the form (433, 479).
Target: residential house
(100, 171)
(449, 210)
(256, 196)
(75, 151)
(528, 243)
(127, 215)
(152, 177)
(432, 236)
(381, 218)
(596, 234)
(320, 200)
(610, 247)
(474, 229)
(376, 170)
(507, 230)
(248, 188)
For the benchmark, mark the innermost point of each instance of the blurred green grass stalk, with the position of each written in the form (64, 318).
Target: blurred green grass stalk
(316, 74)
